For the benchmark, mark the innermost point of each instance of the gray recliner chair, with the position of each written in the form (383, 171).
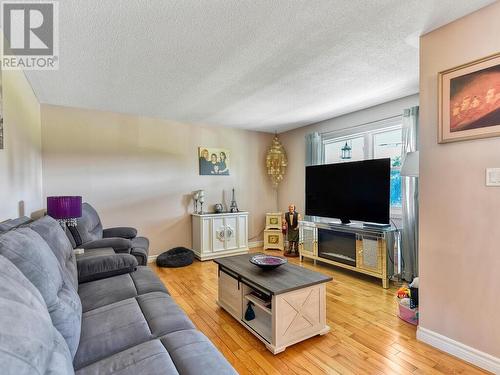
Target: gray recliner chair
(89, 234)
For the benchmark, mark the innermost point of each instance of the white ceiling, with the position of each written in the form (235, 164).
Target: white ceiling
(256, 64)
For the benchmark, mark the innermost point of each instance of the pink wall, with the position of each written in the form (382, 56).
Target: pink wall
(459, 215)
(141, 171)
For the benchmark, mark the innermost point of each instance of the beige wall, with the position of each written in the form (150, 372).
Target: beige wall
(459, 215)
(21, 160)
(292, 188)
(141, 172)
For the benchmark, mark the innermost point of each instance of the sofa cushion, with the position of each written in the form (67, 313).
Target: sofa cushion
(100, 266)
(119, 326)
(33, 257)
(146, 281)
(150, 357)
(193, 354)
(162, 314)
(50, 230)
(89, 226)
(109, 330)
(29, 343)
(99, 293)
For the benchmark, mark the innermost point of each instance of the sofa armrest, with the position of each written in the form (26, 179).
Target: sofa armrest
(122, 232)
(98, 266)
(119, 245)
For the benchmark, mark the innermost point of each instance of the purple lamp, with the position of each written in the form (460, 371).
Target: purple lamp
(65, 209)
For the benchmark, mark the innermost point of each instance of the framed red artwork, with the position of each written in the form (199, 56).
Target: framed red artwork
(469, 100)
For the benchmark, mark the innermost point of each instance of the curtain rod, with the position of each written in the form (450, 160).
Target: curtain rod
(361, 125)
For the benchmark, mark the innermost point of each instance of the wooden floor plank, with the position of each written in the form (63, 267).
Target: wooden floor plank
(366, 335)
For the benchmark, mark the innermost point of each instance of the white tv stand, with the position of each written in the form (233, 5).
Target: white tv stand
(372, 246)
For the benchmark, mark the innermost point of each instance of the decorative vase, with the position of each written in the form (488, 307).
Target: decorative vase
(201, 199)
(196, 196)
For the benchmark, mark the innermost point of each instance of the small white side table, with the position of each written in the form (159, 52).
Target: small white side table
(273, 236)
(219, 235)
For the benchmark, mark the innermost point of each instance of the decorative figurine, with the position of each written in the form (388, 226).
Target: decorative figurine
(234, 205)
(218, 208)
(291, 223)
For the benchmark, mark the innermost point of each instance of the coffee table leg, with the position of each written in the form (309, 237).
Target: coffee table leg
(325, 331)
(274, 350)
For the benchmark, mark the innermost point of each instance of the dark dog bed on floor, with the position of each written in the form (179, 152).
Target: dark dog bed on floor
(176, 257)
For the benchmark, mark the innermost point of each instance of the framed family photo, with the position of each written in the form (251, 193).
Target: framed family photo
(214, 161)
(469, 100)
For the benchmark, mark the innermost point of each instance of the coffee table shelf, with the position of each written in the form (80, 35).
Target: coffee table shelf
(259, 303)
(298, 300)
(262, 325)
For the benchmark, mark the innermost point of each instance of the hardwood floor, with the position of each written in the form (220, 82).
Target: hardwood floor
(366, 336)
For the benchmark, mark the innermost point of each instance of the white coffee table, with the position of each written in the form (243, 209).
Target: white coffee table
(297, 309)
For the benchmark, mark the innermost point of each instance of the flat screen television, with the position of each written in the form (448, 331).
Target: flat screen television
(357, 190)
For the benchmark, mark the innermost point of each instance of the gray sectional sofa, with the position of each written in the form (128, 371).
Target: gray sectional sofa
(123, 324)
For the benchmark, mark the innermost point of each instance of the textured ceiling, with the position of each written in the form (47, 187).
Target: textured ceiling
(255, 64)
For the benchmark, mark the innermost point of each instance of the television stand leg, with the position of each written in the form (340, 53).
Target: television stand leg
(385, 283)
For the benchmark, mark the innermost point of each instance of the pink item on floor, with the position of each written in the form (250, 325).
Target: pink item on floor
(408, 314)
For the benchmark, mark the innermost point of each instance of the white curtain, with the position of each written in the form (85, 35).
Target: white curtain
(313, 149)
(409, 235)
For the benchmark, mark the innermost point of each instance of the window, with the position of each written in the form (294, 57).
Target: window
(380, 140)
(388, 144)
(333, 150)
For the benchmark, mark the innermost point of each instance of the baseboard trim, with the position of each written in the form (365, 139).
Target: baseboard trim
(476, 357)
(152, 258)
(255, 244)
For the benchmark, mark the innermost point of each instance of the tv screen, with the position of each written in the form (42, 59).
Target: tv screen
(350, 191)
